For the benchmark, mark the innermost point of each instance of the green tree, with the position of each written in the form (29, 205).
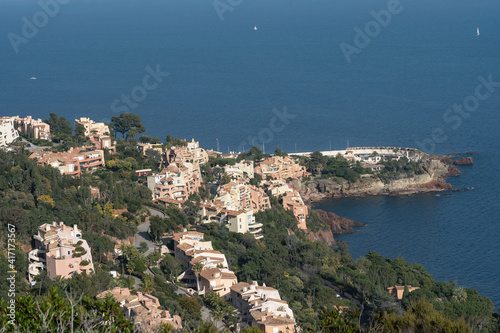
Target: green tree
(422, 317)
(60, 128)
(145, 138)
(191, 306)
(171, 266)
(128, 125)
(333, 321)
(153, 157)
(157, 228)
(143, 247)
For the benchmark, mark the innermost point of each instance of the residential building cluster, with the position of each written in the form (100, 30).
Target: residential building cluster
(291, 200)
(281, 168)
(60, 251)
(236, 201)
(73, 162)
(259, 306)
(370, 157)
(182, 176)
(234, 207)
(144, 309)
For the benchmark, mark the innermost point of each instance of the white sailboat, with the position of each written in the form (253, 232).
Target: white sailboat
(255, 28)
(478, 31)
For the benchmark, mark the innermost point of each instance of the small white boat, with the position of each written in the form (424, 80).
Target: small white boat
(255, 28)
(478, 31)
(32, 78)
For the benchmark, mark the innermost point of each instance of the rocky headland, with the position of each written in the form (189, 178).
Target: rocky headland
(432, 175)
(335, 225)
(433, 172)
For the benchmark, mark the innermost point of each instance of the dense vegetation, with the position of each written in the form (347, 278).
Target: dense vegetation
(333, 167)
(305, 272)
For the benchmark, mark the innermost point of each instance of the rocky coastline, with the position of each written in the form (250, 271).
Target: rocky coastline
(337, 225)
(433, 179)
(436, 170)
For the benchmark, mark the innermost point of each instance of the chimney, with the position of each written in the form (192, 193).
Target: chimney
(47, 227)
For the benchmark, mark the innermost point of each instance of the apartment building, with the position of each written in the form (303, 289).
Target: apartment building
(189, 249)
(91, 127)
(240, 196)
(177, 181)
(263, 307)
(73, 162)
(240, 170)
(59, 250)
(97, 133)
(8, 132)
(191, 153)
(144, 309)
(277, 187)
(282, 168)
(219, 280)
(34, 128)
(293, 201)
(241, 221)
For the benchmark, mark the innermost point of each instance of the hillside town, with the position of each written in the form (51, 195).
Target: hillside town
(199, 192)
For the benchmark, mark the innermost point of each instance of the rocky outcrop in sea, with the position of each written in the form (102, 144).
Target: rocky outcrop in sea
(434, 171)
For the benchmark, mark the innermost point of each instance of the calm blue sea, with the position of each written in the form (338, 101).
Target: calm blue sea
(225, 79)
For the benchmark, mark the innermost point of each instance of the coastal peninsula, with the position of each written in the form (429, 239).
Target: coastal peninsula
(168, 236)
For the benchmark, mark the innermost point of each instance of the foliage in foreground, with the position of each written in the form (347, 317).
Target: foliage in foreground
(54, 313)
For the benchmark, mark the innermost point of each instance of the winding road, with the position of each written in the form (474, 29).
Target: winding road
(142, 234)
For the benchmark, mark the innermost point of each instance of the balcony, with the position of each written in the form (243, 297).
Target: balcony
(33, 256)
(255, 231)
(255, 225)
(217, 287)
(35, 268)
